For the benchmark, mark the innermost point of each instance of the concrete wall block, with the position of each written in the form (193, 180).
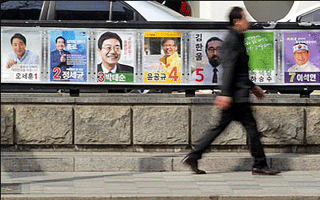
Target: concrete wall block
(32, 164)
(313, 125)
(227, 164)
(219, 163)
(102, 125)
(7, 124)
(280, 125)
(154, 164)
(296, 163)
(43, 124)
(205, 117)
(103, 163)
(160, 125)
(138, 164)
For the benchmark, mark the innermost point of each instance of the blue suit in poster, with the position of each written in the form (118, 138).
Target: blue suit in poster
(56, 59)
(68, 57)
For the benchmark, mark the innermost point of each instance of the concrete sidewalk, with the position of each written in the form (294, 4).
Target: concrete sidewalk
(240, 185)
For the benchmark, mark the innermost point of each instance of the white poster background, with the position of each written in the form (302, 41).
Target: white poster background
(128, 52)
(20, 73)
(198, 57)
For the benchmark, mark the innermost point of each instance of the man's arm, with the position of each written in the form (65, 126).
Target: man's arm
(55, 59)
(229, 62)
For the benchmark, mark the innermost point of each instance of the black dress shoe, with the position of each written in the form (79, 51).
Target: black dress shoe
(264, 171)
(193, 163)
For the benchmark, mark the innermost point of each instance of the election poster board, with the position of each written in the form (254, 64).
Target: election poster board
(21, 55)
(261, 50)
(161, 58)
(204, 57)
(301, 57)
(68, 55)
(115, 56)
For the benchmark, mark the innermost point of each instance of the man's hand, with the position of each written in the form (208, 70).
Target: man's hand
(258, 92)
(223, 102)
(10, 63)
(63, 58)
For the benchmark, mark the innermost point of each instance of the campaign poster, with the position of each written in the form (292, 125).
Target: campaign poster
(301, 57)
(21, 56)
(68, 55)
(115, 56)
(260, 48)
(162, 57)
(205, 57)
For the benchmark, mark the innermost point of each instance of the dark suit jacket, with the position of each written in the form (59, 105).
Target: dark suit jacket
(55, 60)
(121, 68)
(236, 82)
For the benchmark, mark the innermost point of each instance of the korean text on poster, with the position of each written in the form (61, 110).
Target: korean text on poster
(20, 56)
(68, 55)
(301, 57)
(115, 57)
(205, 60)
(260, 48)
(161, 58)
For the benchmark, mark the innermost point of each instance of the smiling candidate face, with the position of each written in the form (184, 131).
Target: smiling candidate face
(19, 47)
(169, 48)
(110, 52)
(301, 56)
(60, 44)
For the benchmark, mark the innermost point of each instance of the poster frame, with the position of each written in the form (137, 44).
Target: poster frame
(282, 60)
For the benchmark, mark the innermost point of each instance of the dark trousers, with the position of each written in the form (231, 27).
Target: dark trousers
(240, 112)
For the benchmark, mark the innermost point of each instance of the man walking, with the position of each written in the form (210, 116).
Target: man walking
(234, 99)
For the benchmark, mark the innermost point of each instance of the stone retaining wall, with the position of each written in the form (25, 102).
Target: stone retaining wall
(149, 119)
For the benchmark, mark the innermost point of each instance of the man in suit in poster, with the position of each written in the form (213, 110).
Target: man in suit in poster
(60, 58)
(109, 48)
(212, 71)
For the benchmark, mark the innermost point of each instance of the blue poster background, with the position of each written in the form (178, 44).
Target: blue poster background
(77, 45)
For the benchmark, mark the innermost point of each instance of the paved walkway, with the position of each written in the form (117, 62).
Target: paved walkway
(159, 185)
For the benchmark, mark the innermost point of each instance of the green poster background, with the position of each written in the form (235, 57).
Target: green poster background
(260, 47)
(115, 77)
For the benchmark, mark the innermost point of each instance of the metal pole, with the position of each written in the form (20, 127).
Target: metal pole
(111, 9)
